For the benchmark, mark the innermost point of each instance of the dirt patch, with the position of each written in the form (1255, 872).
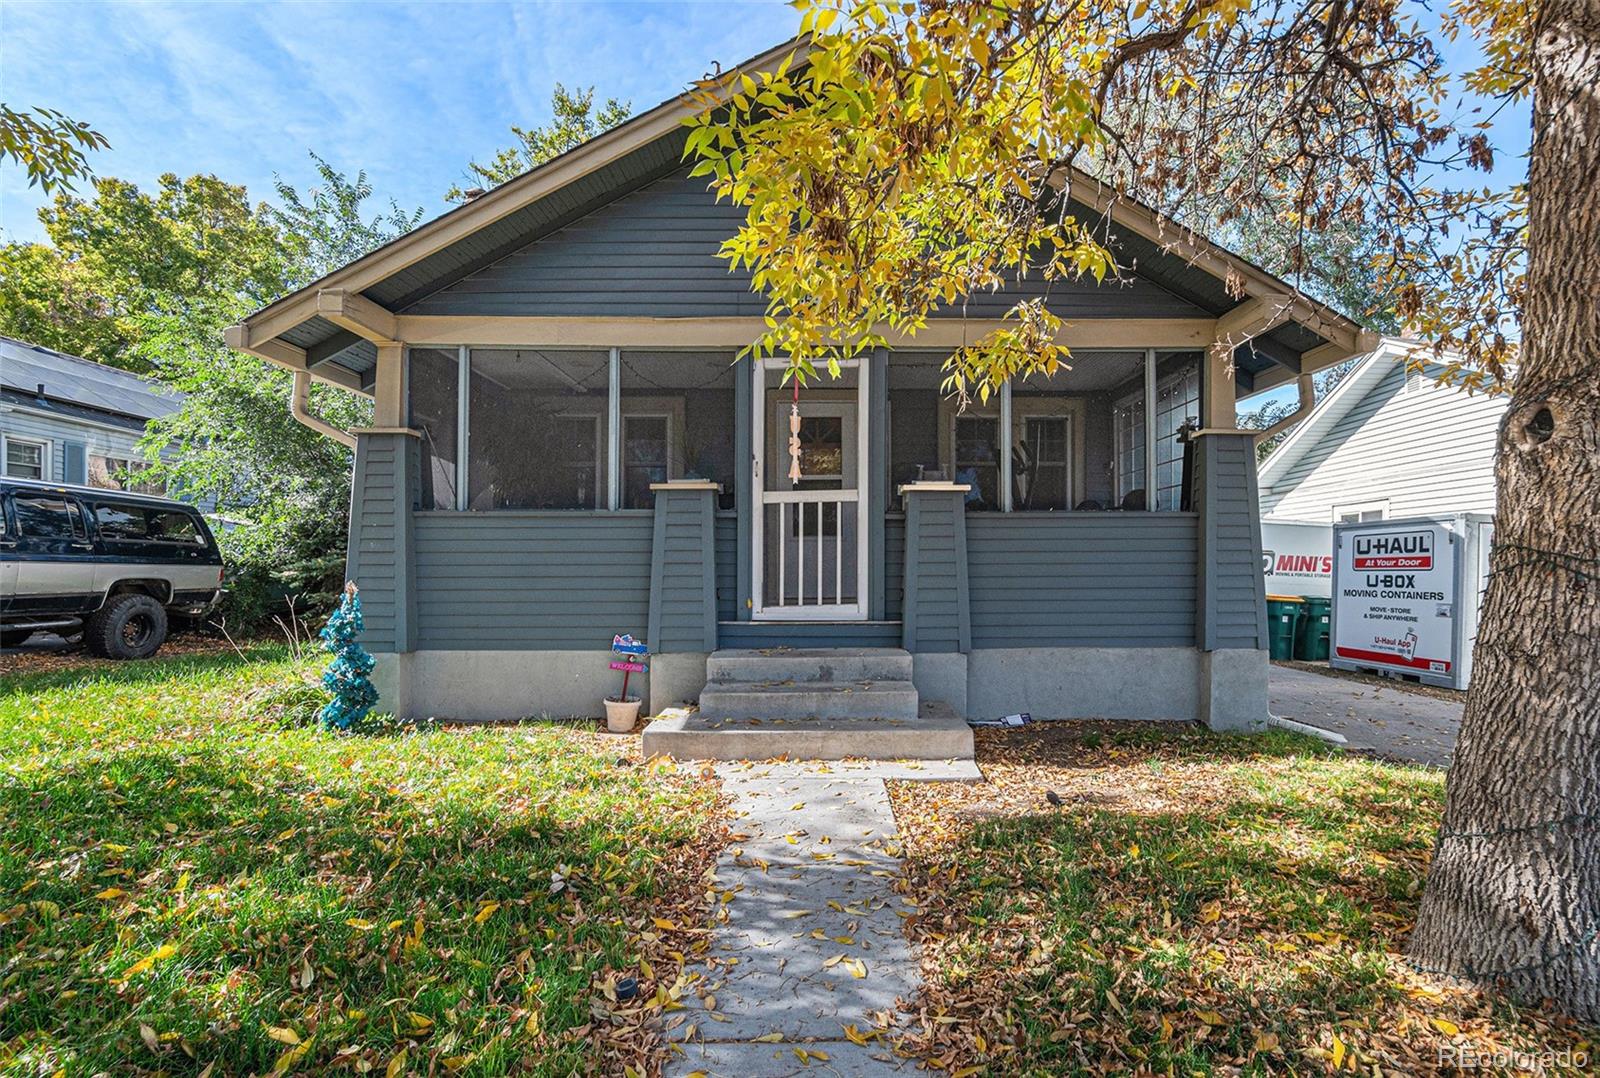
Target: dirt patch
(47, 660)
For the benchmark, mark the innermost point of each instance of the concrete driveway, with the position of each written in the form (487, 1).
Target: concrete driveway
(1400, 724)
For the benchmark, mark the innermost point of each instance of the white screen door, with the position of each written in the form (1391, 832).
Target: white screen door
(810, 562)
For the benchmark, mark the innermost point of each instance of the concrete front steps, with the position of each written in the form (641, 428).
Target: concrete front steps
(811, 704)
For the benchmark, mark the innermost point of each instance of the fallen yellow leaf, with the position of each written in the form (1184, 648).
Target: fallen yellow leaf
(1445, 1026)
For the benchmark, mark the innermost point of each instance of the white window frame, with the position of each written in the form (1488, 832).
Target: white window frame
(47, 452)
(1356, 509)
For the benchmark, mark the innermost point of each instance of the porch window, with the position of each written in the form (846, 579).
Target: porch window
(589, 429)
(1177, 397)
(676, 412)
(536, 429)
(1074, 441)
(977, 459)
(646, 451)
(435, 379)
(1047, 482)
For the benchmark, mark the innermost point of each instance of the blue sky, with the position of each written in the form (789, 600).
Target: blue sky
(410, 92)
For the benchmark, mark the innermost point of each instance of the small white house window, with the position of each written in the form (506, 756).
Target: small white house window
(1360, 513)
(26, 458)
(118, 473)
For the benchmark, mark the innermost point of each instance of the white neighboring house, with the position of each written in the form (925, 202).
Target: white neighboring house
(1386, 443)
(70, 420)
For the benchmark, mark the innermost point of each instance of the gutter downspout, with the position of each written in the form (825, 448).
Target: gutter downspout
(1308, 400)
(299, 398)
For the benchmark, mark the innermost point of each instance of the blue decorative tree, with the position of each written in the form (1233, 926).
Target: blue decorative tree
(346, 677)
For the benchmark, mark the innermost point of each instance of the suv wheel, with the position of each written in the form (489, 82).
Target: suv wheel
(129, 626)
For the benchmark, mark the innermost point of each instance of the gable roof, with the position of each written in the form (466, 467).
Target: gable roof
(1332, 409)
(292, 332)
(65, 379)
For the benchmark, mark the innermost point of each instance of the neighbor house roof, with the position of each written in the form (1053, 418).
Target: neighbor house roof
(312, 328)
(42, 378)
(1331, 410)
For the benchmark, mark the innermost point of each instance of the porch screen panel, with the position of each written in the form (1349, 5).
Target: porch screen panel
(914, 415)
(1064, 436)
(537, 429)
(1177, 404)
(677, 420)
(435, 391)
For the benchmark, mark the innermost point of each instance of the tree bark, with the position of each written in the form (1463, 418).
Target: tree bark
(1513, 895)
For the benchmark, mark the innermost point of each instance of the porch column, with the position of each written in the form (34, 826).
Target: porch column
(383, 492)
(682, 627)
(936, 626)
(1230, 594)
(877, 479)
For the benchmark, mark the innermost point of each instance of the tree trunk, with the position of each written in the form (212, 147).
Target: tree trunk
(1513, 895)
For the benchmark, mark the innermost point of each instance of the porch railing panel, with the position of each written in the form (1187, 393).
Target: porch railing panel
(536, 580)
(1082, 579)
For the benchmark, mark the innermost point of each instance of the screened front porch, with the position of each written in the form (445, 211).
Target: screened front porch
(539, 471)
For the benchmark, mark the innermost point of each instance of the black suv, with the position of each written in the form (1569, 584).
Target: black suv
(108, 562)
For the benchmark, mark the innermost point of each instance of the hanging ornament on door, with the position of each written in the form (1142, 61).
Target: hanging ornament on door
(794, 436)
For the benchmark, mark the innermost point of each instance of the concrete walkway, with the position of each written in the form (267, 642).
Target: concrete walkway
(1394, 723)
(812, 942)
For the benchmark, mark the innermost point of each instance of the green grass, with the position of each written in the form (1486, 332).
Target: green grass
(1201, 905)
(192, 877)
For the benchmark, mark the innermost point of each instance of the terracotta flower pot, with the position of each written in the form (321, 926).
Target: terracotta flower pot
(621, 715)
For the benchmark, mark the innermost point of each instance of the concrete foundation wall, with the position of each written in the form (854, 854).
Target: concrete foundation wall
(480, 686)
(1233, 689)
(941, 677)
(1085, 683)
(676, 678)
(1227, 689)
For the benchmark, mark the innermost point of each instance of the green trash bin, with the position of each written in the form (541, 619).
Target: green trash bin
(1311, 636)
(1283, 614)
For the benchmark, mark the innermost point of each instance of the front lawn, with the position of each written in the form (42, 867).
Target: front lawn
(1196, 905)
(193, 881)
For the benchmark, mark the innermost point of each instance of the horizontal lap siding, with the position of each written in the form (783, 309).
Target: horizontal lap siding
(376, 545)
(894, 565)
(1424, 448)
(727, 551)
(1081, 580)
(934, 603)
(683, 615)
(1234, 607)
(653, 253)
(538, 581)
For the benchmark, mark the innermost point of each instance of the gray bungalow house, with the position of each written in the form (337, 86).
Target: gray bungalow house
(565, 449)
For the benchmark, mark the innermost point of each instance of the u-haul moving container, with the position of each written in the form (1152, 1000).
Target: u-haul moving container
(1406, 595)
(1297, 557)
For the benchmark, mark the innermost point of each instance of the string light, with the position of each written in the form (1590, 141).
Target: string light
(1469, 972)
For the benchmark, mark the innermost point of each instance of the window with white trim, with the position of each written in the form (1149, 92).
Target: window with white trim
(1360, 512)
(26, 458)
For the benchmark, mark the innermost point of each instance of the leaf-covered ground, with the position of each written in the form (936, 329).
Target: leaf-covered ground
(1195, 905)
(192, 881)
